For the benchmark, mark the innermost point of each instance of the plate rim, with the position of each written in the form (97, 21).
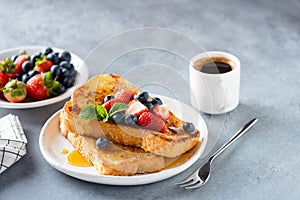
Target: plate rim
(35, 104)
(168, 173)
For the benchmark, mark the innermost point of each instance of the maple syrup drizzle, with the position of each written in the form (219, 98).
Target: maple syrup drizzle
(174, 162)
(64, 151)
(75, 158)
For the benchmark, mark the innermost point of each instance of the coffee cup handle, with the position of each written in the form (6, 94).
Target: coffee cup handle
(227, 96)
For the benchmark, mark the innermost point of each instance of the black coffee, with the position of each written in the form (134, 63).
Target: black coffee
(216, 67)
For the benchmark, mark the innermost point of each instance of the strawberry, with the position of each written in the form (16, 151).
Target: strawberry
(42, 64)
(151, 121)
(136, 108)
(19, 62)
(122, 96)
(162, 111)
(107, 105)
(125, 96)
(15, 91)
(3, 79)
(41, 86)
(7, 68)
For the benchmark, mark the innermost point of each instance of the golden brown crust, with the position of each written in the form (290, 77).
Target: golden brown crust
(94, 91)
(116, 159)
(132, 150)
(170, 144)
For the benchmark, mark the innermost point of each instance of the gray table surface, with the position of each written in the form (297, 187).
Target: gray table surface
(265, 35)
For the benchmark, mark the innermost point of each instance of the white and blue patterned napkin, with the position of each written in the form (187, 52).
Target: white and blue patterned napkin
(12, 141)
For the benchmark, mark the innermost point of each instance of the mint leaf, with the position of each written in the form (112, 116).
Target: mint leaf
(89, 112)
(102, 113)
(99, 112)
(105, 119)
(117, 107)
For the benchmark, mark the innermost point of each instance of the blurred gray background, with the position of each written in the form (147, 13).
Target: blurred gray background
(265, 35)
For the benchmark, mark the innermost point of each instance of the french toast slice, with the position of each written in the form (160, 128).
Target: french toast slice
(116, 160)
(173, 143)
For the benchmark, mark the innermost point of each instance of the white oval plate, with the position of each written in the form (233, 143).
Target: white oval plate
(79, 64)
(52, 142)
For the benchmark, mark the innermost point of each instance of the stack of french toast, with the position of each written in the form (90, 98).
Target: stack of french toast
(137, 137)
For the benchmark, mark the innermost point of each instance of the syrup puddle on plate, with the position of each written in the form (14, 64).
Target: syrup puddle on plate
(64, 151)
(174, 162)
(76, 159)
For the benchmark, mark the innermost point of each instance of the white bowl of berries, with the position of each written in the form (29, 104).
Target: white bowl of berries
(35, 76)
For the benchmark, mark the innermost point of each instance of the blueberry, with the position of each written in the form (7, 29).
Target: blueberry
(68, 82)
(72, 81)
(60, 78)
(33, 73)
(118, 118)
(188, 127)
(64, 56)
(156, 101)
(25, 78)
(64, 72)
(72, 66)
(130, 119)
(142, 96)
(53, 58)
(149, 105)
(13, 57)
(108, 97)
(48, 50)
(27, 66)
(35, 57)
(102, 143)
(55, 71)
(19, 77)
(65, 64)
(61, 89)
(72, 72)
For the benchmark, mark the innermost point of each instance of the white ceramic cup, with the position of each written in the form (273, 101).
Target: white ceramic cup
(215, 93)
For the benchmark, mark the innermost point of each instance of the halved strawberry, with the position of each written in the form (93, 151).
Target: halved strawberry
(107, 105)
(151, 121)
(164, 129)
(136, 108)
(125, 96)
(162, 111)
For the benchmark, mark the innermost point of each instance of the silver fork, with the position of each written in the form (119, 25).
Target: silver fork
(202, 174)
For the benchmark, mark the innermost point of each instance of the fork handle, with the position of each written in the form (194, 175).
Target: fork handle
(243, 130)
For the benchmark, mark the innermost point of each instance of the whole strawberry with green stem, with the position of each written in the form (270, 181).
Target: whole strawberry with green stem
(23, 57)
(7, 66)
(15, 91)
(7, 71)
(42, 86)
(42, 64)
(3, 80)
